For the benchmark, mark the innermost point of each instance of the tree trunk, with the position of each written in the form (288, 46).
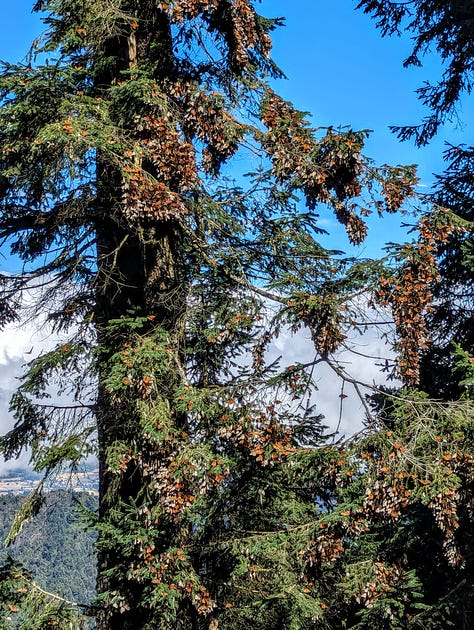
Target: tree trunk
(139, 274)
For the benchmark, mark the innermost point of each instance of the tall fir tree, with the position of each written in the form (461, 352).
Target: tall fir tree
(220, 504)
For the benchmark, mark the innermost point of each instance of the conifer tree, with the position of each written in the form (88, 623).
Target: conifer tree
(445, 29)
(446, 372)
(169, 282)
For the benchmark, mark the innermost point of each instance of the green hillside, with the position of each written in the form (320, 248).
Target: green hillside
(55, 547)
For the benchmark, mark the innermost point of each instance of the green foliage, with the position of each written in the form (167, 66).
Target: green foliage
(464, 366)
(27, 607)
(29, 508)
(221, 503)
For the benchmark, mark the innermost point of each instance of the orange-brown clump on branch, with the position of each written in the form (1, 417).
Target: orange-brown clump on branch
(408, 291)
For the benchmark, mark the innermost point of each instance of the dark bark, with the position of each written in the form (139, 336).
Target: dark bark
(139, 273)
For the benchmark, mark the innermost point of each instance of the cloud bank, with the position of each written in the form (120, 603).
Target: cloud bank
(19, 343)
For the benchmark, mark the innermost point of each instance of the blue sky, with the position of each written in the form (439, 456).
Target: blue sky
(340, 70)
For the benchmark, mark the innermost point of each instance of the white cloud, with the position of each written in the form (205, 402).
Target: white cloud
(360, 361)
(19, 343)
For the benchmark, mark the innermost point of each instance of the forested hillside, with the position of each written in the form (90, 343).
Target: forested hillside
(55, 548)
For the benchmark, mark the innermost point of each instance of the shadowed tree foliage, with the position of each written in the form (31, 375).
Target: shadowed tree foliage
(451, 323)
